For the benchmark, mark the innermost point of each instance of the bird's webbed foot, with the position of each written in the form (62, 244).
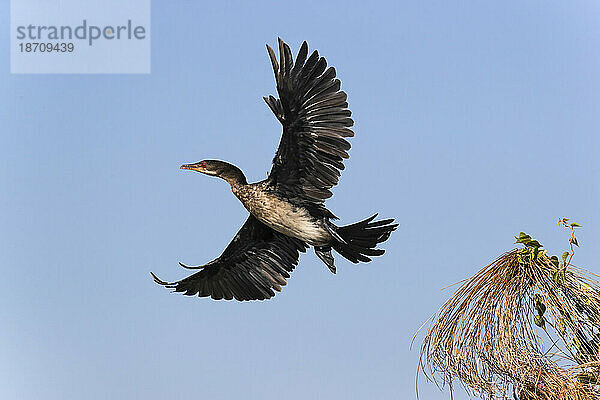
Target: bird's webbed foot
(324, 253)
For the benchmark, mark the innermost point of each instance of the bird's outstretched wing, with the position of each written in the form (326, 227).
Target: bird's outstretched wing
(315, 118)
(256, 262)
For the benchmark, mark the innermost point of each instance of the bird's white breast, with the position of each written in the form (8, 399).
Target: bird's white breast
(282, 216)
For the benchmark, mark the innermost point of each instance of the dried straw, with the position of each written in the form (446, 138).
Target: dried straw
(523, 327)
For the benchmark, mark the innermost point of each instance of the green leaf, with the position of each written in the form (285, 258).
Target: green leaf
(539, 305)
(560, 325)
(523, 238)
(565, 255)
(540, 321)
(587, 378)
(541, 309)
(575, 225)
(559, 276)
(554, 261)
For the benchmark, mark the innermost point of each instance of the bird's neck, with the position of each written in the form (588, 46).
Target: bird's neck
(234, 176)
(237, 186)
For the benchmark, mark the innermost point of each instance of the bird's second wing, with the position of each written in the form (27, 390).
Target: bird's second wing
(315, 118)
(256, 262)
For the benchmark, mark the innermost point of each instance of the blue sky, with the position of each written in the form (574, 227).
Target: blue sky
(474, 120)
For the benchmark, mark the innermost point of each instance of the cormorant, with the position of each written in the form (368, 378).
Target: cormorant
(287, 211)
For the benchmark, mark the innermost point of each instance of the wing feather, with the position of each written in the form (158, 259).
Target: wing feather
(256, 263)
(316, 119)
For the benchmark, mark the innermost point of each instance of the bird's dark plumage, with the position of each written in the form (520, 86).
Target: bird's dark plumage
(315, 118)
(287, 210)
(257, 261)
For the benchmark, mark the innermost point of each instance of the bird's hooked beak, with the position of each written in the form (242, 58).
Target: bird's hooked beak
(199, 167)
(194, 167)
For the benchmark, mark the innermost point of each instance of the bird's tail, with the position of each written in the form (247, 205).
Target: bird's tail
(359, 240)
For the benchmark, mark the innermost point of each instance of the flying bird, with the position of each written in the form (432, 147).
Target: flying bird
(287, 209)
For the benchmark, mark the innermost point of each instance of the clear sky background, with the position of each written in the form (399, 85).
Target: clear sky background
(474, 120)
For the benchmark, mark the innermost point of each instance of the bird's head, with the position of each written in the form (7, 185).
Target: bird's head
(222, 169)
